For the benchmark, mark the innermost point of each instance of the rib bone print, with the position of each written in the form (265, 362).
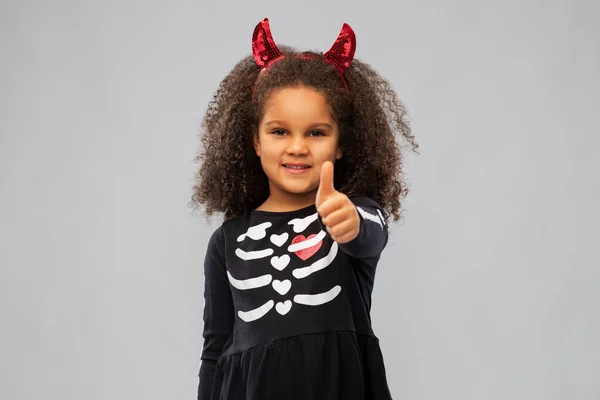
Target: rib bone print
(303, 247)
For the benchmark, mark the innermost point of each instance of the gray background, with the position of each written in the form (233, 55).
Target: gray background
(489, 288)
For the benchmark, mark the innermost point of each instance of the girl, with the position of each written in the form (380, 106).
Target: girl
(289, 274)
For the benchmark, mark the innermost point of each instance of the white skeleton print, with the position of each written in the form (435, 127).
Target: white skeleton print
(300, 246)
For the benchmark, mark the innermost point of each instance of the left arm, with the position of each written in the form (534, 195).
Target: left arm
(358, 226)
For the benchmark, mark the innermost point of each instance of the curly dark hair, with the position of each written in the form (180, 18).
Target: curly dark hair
(370, 117)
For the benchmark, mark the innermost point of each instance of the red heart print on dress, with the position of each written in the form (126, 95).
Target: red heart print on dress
(305, 254)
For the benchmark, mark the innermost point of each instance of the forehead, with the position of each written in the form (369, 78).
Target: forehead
(297, 103)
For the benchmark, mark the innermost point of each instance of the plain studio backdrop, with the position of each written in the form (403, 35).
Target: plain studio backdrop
(489, 287)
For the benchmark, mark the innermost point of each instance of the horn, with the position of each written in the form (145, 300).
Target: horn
(341, 53)
(263, 46)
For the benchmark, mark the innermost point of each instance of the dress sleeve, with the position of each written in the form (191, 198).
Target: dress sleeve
(373, 235)
(218, 312)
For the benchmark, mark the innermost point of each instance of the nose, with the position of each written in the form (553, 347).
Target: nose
(297, 145)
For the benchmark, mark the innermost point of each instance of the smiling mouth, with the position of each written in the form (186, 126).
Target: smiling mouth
(291, 166)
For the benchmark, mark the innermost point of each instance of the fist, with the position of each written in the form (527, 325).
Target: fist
(336, 210)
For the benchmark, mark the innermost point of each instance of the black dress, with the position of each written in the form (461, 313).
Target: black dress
(287, 309)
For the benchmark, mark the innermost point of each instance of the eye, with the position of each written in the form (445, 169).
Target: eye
(317, 133)
(278, 132)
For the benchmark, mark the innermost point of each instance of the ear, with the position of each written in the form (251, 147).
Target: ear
(256, 142)
(338, 153)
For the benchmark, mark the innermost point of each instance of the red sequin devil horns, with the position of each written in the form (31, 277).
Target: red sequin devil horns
(340, 55)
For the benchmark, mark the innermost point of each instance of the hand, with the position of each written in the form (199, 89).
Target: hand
(337, 211)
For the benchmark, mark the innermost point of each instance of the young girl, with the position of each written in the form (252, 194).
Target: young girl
(300, 155)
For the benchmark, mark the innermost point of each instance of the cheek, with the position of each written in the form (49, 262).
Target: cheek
(268, 151)
(325, 153)
(269, 154)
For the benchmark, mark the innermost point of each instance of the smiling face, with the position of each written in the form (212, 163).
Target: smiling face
(296, 135)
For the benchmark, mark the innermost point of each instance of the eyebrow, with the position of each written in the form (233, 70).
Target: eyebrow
(276, 122)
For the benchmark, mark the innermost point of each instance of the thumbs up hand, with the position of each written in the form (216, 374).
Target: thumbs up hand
(337, 211)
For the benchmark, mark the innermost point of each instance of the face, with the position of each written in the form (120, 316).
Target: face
(296, 135)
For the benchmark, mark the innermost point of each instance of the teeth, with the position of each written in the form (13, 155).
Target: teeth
(297, 166)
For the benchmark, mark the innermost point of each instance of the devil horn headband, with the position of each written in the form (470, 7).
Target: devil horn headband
(340, 55)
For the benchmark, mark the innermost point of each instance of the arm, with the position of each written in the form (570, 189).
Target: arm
(356, 223)
(218, 313)
(373, 233)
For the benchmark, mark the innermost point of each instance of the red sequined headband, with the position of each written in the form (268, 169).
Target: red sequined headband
(340, 55)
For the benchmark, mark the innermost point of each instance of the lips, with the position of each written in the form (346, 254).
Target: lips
(296, 166)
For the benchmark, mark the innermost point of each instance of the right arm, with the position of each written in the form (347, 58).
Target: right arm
(218, 312)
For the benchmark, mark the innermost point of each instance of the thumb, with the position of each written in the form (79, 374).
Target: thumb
(326, 183)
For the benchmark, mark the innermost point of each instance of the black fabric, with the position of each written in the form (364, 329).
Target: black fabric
(288, 317)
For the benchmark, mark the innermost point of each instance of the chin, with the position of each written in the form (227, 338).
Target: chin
(296, 189)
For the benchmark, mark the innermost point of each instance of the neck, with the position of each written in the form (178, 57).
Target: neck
(279, 201)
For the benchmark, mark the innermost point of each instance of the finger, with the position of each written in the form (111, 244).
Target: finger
(342, 228)
(347, 237)
(331, 204)
(326, 187)
(337, 216)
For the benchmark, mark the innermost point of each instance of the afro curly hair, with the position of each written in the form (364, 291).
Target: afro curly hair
(372, 123)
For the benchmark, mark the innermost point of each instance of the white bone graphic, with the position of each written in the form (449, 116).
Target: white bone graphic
(284, 308)
(282, 287)
(253, 255)
(251, 283)
(253, 315)
(369, 216)
(307, 243)
(318, 265)
(279, 240)
(300, 224)
(381, 217)
(255, 232)
(318, 299)
(281, 262)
